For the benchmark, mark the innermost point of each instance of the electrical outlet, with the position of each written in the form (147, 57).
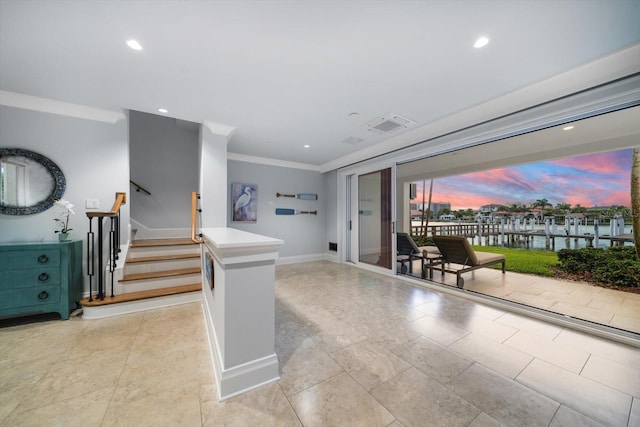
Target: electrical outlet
(92, 204)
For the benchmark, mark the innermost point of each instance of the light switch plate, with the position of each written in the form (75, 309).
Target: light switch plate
(92, 203)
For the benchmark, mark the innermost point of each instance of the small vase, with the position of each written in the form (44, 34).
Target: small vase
(63, 237)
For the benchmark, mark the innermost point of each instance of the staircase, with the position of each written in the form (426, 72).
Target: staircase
(157, 273)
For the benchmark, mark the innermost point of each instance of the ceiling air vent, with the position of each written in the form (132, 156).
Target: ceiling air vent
(352, 140)
(388, 124)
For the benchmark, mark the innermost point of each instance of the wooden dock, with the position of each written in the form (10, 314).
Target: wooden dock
(491, 234)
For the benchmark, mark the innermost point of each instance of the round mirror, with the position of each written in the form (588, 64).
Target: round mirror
(29, 182)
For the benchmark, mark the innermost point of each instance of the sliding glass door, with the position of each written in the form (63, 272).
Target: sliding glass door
(375, 222)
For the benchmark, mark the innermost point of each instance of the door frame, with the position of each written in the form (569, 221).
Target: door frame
(348, 211)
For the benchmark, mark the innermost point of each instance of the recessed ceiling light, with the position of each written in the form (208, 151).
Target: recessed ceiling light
(163, 110)
(133, 44)
(354, 114)
(481, 42)
(567, 128)
(307, 146)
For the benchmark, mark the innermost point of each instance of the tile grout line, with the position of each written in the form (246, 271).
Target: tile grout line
(115, 387)
(289, 402)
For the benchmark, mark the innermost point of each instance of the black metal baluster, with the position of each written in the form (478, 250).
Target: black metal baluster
(100, 295)
(117, 230)
(90, 257)
(111, 253)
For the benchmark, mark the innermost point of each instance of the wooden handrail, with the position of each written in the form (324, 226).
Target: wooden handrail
(139, 187)
(195, 238)
(121, 199)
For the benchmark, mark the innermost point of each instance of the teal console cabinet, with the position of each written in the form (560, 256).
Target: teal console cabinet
(40, 278)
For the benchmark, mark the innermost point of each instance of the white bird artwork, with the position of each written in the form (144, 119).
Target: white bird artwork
(243, 201)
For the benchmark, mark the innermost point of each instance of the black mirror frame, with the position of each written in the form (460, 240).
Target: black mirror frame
(58, 177)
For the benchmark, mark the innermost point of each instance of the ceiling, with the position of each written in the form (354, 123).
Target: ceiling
(607, 132)
(286, 74)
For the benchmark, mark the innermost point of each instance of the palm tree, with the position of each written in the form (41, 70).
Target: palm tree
(578, 209)
(424, 230)
(542, 203)
(424, 184)
(635, 198)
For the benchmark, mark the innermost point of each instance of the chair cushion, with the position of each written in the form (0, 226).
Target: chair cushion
(405, 245)
(429, 249)
(458, 249)
(483, 258)
(473, 258)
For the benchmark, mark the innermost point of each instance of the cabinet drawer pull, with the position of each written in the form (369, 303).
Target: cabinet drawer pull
(43, 277)
(43, 259)
(43, 295)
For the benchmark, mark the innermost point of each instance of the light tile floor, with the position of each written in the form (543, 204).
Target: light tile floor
(355, 348)
(605, 306)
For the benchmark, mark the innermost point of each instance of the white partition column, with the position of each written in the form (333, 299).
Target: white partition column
(238, 287)
(214, 138)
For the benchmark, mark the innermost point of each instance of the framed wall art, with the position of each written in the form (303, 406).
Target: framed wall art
(244, 202)
(208, 269)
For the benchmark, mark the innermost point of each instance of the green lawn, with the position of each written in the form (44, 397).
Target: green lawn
(536, 262)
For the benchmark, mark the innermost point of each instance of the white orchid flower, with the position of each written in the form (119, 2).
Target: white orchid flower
(66, 205)
(63, 221)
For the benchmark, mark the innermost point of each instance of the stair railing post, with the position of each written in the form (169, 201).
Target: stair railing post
(100, 295)
(90, 257)
(112, 251)
(117, 230)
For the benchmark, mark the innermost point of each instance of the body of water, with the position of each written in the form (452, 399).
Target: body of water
(539, 241)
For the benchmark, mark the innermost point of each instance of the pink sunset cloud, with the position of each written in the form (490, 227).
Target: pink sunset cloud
(595, 180)
(610, 163)
(500, 177)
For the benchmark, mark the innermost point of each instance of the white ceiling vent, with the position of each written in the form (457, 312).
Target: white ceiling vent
(389, 123)
(352, 140)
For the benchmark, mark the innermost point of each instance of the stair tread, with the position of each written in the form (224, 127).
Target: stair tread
(146, 243)
(162, 258)
(135, 296)
(159, 274)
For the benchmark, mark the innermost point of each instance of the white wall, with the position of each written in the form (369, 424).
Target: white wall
(93, 156)
(213, 178)
(303, 235)
(164, 159)
(331, 209)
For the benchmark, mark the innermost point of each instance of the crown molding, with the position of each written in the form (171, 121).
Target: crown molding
(220, 129)
(51, 106)
(272, 162)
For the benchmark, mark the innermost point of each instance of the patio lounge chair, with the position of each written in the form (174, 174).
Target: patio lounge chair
(457, 250)
(408, 251)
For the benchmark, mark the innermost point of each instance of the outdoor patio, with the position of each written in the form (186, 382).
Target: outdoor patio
(609, 307)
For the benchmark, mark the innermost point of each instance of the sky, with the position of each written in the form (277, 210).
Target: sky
(601, 179)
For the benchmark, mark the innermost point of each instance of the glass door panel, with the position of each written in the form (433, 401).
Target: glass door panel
(375, 219)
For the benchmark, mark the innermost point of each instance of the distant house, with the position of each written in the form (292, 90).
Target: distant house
(489, 208)
(416, 215)
(435, 206)
(447, 217)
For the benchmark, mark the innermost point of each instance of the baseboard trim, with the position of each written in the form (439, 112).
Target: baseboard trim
(307, 258)
(100, 312)
(241, 378)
